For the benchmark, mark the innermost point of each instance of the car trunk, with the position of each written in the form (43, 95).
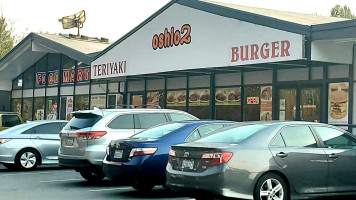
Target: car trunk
(71, 144)
(190, 158)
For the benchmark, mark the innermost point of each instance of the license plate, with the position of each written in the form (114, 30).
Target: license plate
(188, 164)
(118, 154)
(70, 141)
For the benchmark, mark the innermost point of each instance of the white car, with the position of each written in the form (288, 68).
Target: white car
(85, 138)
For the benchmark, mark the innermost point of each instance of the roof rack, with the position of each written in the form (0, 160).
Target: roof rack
(120, 106)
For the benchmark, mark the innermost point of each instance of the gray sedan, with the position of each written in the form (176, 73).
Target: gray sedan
(28, 145)
(275, 160)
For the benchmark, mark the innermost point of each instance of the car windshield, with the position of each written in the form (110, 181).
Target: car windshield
(82, 120)
(159, 131)
(234, 134)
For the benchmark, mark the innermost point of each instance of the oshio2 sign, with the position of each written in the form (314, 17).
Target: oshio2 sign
(172, 37)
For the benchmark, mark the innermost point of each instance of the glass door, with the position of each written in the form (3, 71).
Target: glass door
(137, 100)
(299, 104)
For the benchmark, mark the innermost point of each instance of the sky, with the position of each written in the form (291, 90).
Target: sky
(114, 18)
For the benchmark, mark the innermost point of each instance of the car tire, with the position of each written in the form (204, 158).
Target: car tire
(92, 175)
(142, 186)
(270, 186)
(27, 159)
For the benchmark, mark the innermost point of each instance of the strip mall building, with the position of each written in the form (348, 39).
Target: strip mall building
(213, 60)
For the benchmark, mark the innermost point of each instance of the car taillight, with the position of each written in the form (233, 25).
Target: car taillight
(91, 134)
(142, 151)
(170, 154)
(2, 141)
(217, 158)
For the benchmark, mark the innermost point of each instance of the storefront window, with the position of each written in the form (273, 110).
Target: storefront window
(228, 103)
(54, 61)
(199, 101)
(16, 106)
(29, 78)
(258, 103)
(17, 83)
(155, 99)
(41, 74)
(27, 109)
(176, 99)
(51, 105)
(68, 70)
(115, 99)
(81, 102)
(39, 108)
(98, 101)
(66, 107)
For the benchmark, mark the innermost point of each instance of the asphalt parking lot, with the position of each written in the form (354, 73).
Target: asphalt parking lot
(58, 183)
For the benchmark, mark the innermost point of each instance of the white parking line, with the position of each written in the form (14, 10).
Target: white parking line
(67, 180)
(33, 173)
(101, 190)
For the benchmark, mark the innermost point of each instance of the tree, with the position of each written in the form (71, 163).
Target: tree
(7, 38)
(342, 12)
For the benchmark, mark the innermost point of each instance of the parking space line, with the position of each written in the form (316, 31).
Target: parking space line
(33, 173)
(66, 180)
(108, 189)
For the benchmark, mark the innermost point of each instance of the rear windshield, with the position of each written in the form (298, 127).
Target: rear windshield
(232, 134)
(158, 131)
(82, 120)
(10, 120)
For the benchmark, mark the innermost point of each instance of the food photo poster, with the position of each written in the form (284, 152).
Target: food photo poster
(338, 103)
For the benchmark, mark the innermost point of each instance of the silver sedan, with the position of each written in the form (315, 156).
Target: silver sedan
(28, 145)
(273, 160)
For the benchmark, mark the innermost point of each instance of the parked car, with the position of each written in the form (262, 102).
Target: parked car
(28, 145)
(85, 138)
(276, 160)
(141, 159)
(9, 119)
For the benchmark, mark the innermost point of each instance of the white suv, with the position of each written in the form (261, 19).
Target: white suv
(85, 138)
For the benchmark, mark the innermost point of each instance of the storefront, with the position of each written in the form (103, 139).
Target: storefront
(223, 61)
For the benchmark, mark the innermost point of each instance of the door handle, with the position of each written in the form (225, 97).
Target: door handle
(333, 156)
(282, 155)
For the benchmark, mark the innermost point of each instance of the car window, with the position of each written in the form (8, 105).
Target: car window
(205, 129)
(148, 120)
(159, 131)
(278, 141)
(231, 134)
(123, 122)
(193, 136)
(10, 120)
(82, 120)
(28, 131)
(49, 128)
(333, 138)
(179, 117)
(298, 136)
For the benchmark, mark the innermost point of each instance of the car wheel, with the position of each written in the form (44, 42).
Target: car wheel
(27, 159)
(271, 187)
(142, 186)
(92, 175)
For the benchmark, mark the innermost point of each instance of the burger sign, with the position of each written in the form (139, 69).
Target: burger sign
(338, 103)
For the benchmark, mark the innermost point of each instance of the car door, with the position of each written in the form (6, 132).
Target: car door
(122, 126)
(340, 149)
(296, 151)
(46, 138)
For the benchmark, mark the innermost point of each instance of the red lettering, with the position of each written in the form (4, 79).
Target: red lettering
(154, 42)
(160, 42)
(275, 49)
(244, 53)
(86, 74)
(235, 55)
(115, 68)
(167, 38)
(79, 75)
(99, 68)
(254, 50)
(43, 79)
(172, 31)
(66, 76)
(285, 48)
(120, 67)
(104, 69)
(172, 37)
(94, 66)
(72, 75)
(264, 51)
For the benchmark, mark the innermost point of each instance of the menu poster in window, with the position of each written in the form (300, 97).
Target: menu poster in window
(228, 96)
(176, 98)
(98, 101)
(153, 98)
(69, 108)
(199, 97)
(338, 103)
(266, 103)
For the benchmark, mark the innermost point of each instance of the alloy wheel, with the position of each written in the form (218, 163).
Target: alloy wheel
(28, 160)
(271, 189)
